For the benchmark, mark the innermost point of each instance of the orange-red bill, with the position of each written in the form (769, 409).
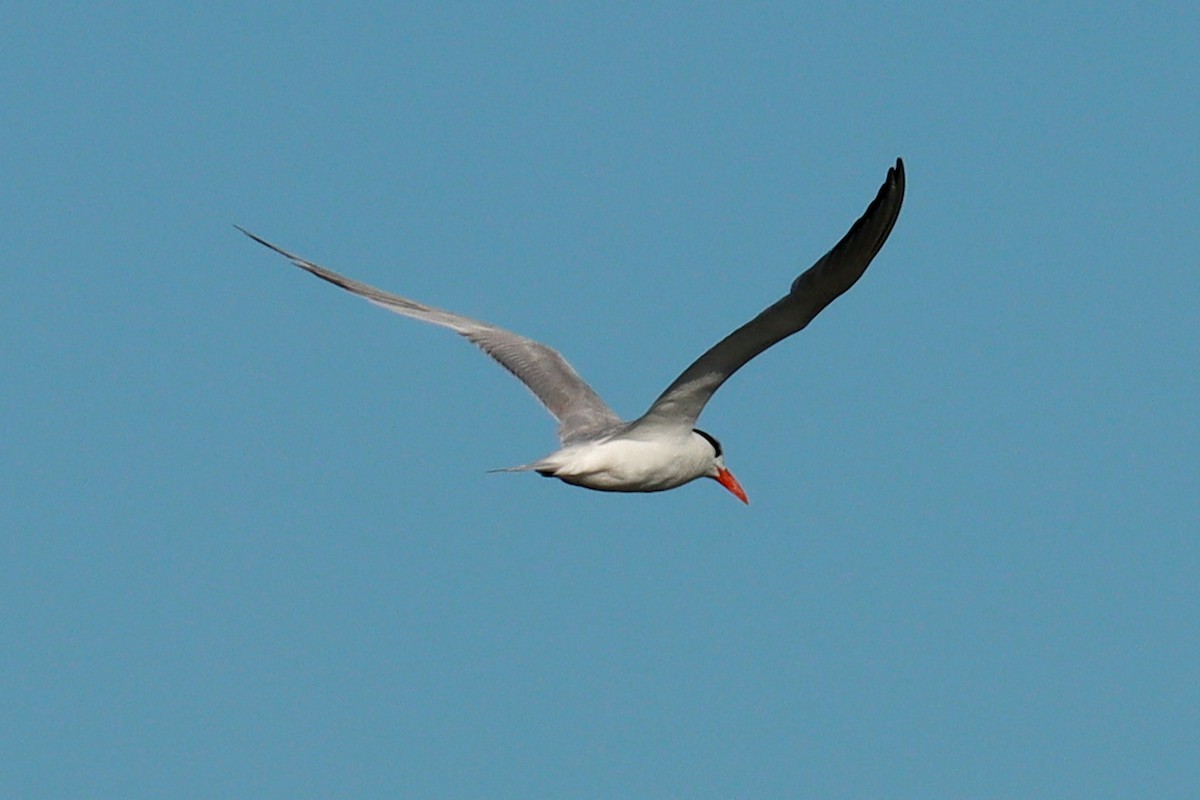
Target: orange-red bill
(726, 479)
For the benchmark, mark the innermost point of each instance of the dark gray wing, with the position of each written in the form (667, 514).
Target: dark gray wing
(579, 410)
(817, 287)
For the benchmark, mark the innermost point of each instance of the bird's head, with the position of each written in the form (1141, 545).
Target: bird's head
(717, 469)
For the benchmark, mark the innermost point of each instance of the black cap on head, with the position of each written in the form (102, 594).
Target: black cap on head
(716, 446)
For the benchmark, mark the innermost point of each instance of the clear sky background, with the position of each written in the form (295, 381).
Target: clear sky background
(248, 547)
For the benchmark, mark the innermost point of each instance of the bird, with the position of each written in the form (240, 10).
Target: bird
(662, 449)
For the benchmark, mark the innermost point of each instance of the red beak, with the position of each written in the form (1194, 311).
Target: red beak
(726, 479)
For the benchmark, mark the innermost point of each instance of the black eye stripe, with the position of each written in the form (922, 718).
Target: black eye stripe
(716, 446)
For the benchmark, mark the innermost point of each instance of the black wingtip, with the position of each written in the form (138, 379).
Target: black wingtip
(258, 239)
(295, 259)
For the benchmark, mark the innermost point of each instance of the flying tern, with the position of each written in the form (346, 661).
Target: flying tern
(661, 449)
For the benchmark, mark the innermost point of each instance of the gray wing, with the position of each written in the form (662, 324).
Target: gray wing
(817, 287)
(579, 410)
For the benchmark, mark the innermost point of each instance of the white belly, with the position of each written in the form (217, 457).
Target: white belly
(628, 465)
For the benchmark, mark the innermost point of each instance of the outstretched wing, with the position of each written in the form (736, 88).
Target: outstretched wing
(817, 287)
(579, 410)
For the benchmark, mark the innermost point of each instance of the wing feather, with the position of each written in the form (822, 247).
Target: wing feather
(817, 287)
(579, 410)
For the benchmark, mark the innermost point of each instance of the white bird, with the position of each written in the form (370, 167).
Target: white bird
(662, 449)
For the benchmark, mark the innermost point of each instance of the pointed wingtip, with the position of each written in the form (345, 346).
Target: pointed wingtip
(256, 238)
(295, 259)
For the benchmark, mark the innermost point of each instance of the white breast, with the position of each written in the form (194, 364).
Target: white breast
(631, 465)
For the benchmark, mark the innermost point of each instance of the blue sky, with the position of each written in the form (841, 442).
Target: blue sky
(250, 548)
